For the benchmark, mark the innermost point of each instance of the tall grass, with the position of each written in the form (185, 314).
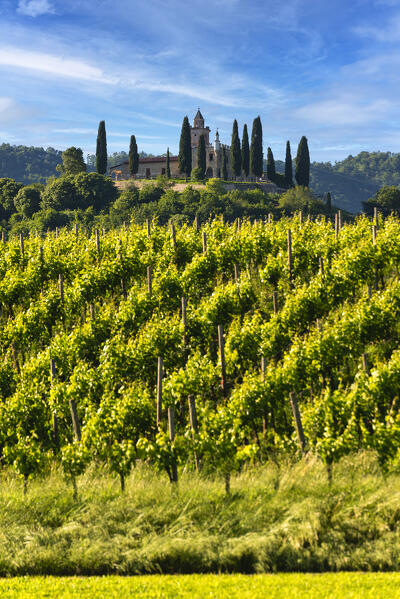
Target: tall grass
(299, 524)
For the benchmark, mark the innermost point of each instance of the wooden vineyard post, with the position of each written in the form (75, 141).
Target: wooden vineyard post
(376, 218)
(75, 420)
(321, 267)
(196, 223)
(171, 429)
(173, 235)
(149, 281)
(301, 217)
(290, 260)
(339, 219)
(204, 242)
(97, 242)
(365, 363)
(159, 390)
(148, 227)
(238, 223)
(41, 254)
(222, 357)
(194, 425)
(76, 229)
(61, 287)
(184, 322)
(275, 301)
(336, 226)
(374, 231)
(123, 289)
(269, 218)
(263, 372)
(369, 291)
(91, 311)
(237, 272)
(56, 438)
(57, 232)
(3, 237)
(21, 245)
(298, 423)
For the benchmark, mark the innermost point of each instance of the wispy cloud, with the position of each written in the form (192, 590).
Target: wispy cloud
(35, 8)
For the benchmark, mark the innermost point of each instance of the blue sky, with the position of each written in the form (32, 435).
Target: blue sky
(329, 71)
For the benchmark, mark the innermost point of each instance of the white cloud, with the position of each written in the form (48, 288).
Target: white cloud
(35, 8)
(344, 111)
(51, 64)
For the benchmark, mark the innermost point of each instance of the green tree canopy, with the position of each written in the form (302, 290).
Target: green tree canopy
(236, 155)
(300, 198)
(185, 149)
(133, 157)
(72, 162)
(303, 163)
(201, 157)
(8, 192)
(245, 152)
(27, 200)
(271, 171)
(256, 148)
(168, 166)
(386, 199)
(224, 166)
(288, 166)
(101, 149)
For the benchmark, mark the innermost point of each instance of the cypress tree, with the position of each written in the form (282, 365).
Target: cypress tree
(224, 167)
(185, 149)
(329, 200)
(256, 151)
(271, 172)
(167, 167)
(288, 166)
(303, 163)
(201, 156)
(133, 157)
(245, 152)
(101, 149)
(236, 156)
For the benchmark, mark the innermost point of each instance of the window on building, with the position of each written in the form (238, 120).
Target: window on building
(163, 171)
(211, 157)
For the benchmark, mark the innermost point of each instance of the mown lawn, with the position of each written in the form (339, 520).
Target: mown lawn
(272, 586)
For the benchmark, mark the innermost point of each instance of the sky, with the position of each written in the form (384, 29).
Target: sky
(327, 70)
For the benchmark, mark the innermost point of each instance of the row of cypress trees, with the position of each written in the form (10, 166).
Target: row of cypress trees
(101, 152)
(302, 162)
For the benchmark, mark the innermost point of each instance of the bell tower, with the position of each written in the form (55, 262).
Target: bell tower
(199, 129)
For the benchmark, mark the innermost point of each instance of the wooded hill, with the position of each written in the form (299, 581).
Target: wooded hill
(350, 181)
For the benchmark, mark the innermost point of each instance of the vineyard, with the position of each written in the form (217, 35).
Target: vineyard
(200, 348)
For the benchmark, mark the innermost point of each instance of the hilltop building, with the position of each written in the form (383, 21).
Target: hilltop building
(153, 167)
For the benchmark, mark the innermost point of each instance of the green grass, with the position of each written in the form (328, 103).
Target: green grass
(275, 586)
(301, 526)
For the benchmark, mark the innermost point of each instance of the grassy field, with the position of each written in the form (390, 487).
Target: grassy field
(274, 521)
(274, 586)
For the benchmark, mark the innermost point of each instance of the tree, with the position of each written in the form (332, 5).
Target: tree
(224, 167)
(300, 198)
(236, 156)
(303, 163)
(245, 152)
(185, 149)
(72, 162)
(288, 166)
(329, 201)
(387, 199)
(27, 200)
(271, 172)
(201, 156)
(168, 167)
(101, 149)
(133, 157)
(8, 192)
(256, 150)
